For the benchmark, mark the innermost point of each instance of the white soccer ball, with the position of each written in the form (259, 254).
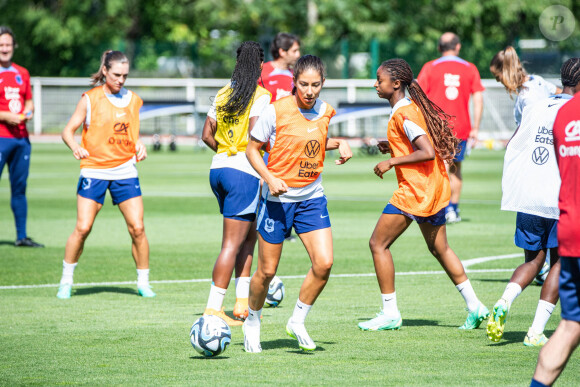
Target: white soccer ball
(276, 292)
(543, 274)
(210, 335)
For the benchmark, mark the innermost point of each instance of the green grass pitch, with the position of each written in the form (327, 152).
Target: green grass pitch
(107, 335)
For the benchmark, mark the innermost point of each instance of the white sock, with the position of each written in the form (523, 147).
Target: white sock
(253, 318)
(242, 287)
(390, 309)
(512, 290)
(300, 312)
(68, 270)
(142, 278)
(543, 313)
(216, 298)
(469, 295)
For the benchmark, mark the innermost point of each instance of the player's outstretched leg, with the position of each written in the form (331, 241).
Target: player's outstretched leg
(435, 234)
(496, 323)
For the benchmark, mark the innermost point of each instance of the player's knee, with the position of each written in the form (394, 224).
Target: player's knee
(137, 231)
(323, 266)
(83, 230)
(265, 274)
(376, 246)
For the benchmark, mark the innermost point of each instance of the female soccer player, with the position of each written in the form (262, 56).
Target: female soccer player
(295, 129)
(530, 185)
(109, 150)
(507, 69)
(419, 140)
(234, 182)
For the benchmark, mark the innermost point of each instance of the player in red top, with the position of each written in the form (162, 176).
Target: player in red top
(448, 82)
(16, 108)
(277, 74)
(555, 354)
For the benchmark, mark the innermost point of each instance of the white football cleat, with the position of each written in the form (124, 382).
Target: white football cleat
(251, 338)
(298, 332)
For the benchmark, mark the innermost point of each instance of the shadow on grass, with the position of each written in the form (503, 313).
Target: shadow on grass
(510, 338)
(290, 344)
(414, 322)
(507, 280)
(201, 357)
(7, 243)
(103, 289)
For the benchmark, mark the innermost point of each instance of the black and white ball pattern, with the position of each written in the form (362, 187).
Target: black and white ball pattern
(210, 335)
(276, 292)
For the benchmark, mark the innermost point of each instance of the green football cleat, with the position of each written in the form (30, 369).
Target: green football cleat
(474, 319)
(381, 323)
(145, 291)
(64, 291)
(496, 323)
(533, 339)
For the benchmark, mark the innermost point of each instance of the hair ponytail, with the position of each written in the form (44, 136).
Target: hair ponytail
(438, 122)
(507, 68)
(107, 59)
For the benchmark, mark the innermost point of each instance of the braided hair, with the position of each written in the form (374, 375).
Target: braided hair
(570, 72)
(307, 62)
(438, 122)
(244, 81)
(107, 59)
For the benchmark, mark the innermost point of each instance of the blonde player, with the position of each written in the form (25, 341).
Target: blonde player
(110, 148)
(530, 186)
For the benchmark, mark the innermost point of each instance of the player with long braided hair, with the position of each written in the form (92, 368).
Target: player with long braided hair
(234, 182)
(419, 140)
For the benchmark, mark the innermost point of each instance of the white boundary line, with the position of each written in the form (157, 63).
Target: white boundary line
(466, 264)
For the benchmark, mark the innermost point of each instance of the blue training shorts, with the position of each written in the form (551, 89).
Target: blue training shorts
(535, 232)
(276, 219)
(570, 288)
(237, 193)
(462, 152)
(436, 220)
(121, 190)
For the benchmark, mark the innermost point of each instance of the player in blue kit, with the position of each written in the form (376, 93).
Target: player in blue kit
(234, 182)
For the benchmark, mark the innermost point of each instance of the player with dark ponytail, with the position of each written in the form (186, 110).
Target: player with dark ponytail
(419, 140)
(234, 182)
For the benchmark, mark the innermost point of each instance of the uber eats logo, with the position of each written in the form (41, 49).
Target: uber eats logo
(307, 168)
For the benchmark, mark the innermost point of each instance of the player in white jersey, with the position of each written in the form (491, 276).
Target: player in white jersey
(530, 185)
(507, 69)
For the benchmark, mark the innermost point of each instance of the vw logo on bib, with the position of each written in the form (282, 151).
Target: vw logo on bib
(540, 155)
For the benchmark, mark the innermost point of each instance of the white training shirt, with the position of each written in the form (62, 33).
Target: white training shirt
(412, 130)
(238, 161)
(265, 131)
(531, 180)
(535, 89)
(127, 170)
